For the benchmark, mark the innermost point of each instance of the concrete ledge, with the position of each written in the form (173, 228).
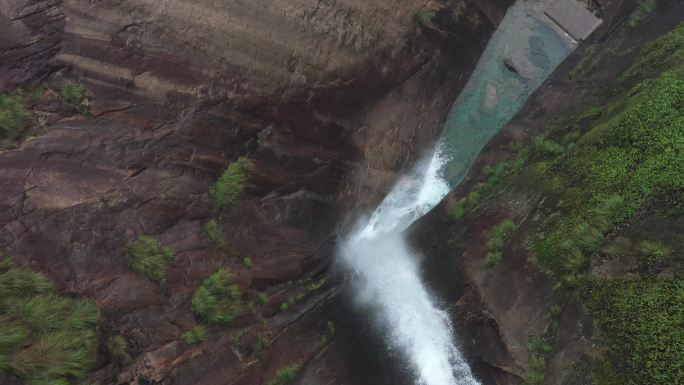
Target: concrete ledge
(573, 17)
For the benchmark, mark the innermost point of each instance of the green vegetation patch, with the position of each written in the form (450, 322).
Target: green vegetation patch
(261, 343)
(654, 255)
(285, 375)
(230, 185)
(74, 95)
(12, 114)
(632, 156)
(540, 349)
(117, 347)
(247, 262)
(499, 236)
(214, 232)
(218, 300)
(149, 257)
(588, 63)
(642, 324)
(45, 338)
(494, 175)
(297, 298)
(663, 52)
(195, 335)
(646, 7)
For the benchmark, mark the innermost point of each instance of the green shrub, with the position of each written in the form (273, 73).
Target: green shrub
(117, 347)
(494, 176)
(295, 299)
(535, 373)
(214, 232)
(654, 254)
(74, 95)
(286, 305)
(457, 211)
(493, 258)
(195, 335)
(149, 257)
(230, 185)
(623, 162)
(567, 252)
(218, 300)
(51, 312)
(45, 338)
(285, 375)
(16, 281)
(12, 114)
(641, 325)
(647, 6)
(247, 262)
(661, 53)
(236, 340)
(261, 343)
(588, 63)
(587, 237)
(609, 211)
(329, 333)
(262, 298)
(56, 358)
(540, 349)
(498, 238)
(547, 147)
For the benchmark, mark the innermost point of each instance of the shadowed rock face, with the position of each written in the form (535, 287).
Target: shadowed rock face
(329, 99)
(32, 33)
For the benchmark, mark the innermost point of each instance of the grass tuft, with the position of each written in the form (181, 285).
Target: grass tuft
(654, 255)
(230, 185)
(195, 335)
(74, 95)
(12, 114)
(149, 257)
(499, 236)
(261, 343)
(45, 338)
(214, 232)
(661, 53)
(285, 375)
(247, 262)
(117, 347)
(218, 300)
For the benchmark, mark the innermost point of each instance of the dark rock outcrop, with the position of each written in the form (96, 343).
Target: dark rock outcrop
(32, 33)
(178, 90)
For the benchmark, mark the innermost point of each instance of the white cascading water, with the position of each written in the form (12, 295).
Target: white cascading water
(386, 271)
(389, 278)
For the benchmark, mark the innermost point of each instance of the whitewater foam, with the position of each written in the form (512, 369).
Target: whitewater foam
(387, 273)
(388, 278)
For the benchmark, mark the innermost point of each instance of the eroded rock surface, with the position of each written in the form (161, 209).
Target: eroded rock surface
(329, 99)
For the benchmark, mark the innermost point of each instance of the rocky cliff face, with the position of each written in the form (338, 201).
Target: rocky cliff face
(329, 99)
(32, 36)
(519, 321)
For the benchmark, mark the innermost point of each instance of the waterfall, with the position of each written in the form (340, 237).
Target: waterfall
(523, 51)
(389, 278)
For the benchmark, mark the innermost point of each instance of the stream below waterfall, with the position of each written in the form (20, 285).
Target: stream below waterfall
(521, 54)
